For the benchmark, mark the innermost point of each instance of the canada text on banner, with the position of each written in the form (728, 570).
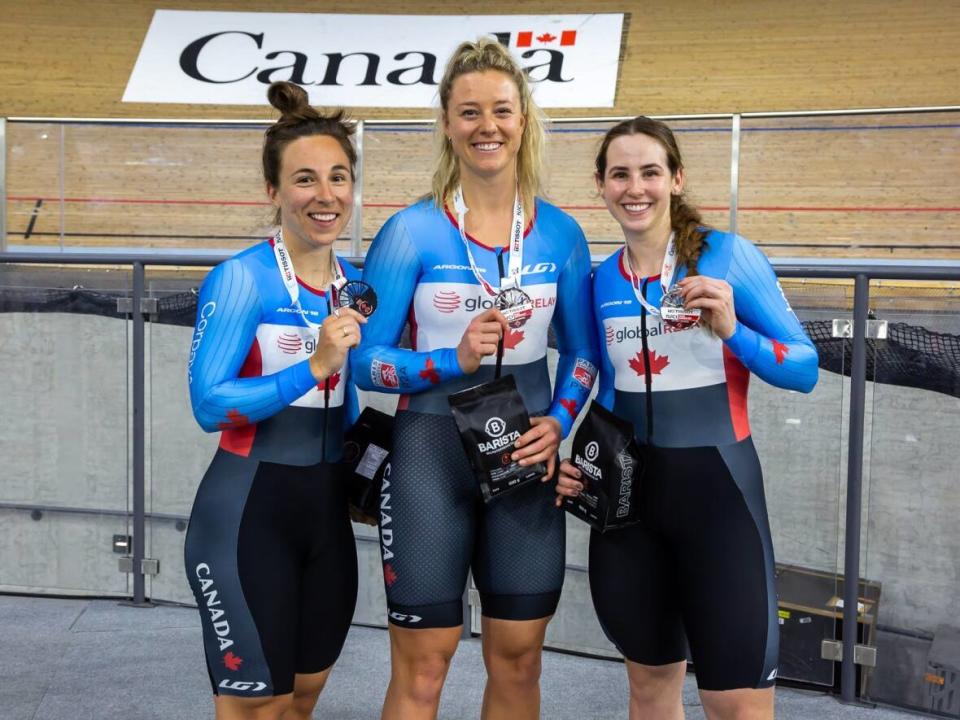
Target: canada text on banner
(229, 58)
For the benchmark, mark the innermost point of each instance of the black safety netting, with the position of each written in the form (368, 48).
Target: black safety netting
(911, 355)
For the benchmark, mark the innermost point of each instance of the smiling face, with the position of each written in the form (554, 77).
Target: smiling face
(484, 121)
(315, 195)
(637, 184)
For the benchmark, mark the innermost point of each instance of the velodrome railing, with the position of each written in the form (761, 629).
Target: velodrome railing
(725, 208)
(860, 273)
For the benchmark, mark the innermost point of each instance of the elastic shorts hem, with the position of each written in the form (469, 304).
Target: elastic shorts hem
(414, 617)
(519, 607)
(706, 684)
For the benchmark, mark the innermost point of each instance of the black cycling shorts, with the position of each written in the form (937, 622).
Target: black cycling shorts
(271, 559)
(698, 567)
(434, 527)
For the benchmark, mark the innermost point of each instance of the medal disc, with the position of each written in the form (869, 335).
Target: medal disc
(516, 306)
(673, 313)
(358, 295)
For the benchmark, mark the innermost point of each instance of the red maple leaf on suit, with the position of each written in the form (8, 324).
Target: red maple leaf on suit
(430, 373)
(779, 351)
(389, 576)
(512, 339)
(657, 363)
(234, 420)
(546, 37)
(232, 662)
(332, 381)
(570, 405)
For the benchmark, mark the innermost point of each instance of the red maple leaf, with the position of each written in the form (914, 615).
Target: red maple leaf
(331, 381)
(779, 351)
(389, 576)
(234, 420)
(570, 405)
(430, 373)
(512, 339)
(233, 662)
(546, 37)
(657, 363)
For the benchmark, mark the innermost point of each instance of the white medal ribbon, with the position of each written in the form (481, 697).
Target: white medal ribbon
(289, 276)
(666, 275)
(516, 244)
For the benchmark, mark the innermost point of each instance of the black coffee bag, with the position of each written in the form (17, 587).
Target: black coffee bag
(605, 452)
(366, 451)
(491, 418)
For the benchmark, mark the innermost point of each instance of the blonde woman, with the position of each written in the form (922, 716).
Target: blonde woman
(439, 264)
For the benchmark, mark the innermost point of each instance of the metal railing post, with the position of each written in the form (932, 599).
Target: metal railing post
(3, 184)
(139, 459)
(851, 560)
(356, 230)
(734, 172)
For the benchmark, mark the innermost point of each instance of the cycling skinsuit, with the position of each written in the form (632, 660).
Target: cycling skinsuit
(700, 563)
(433, 523)
(269, 554)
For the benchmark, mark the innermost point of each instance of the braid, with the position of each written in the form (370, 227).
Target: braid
(687, 224)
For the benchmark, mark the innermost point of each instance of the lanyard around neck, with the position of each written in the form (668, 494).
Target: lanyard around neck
(515, 246)
(289, 275)
(666, 274)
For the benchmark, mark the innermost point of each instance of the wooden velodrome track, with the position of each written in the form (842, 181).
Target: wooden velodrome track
(883, 186)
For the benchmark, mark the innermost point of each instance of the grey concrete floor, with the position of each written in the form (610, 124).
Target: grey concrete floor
(77, 659)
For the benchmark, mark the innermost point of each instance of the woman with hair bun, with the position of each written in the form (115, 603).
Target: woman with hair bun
(270, 552)
(440, 264)
(685, 313)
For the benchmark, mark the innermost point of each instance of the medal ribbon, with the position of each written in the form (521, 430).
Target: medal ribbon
(515, 246)
(666, 274)
(289, 276)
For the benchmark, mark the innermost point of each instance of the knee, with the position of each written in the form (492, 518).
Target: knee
(520, 667)
(425, 675)
(656, 686)
(302, 704)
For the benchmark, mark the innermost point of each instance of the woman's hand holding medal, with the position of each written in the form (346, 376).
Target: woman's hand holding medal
(336, 336)
(715, 298)
(539, 444)
(480, 339)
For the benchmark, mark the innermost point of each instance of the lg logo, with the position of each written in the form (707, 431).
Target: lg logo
(241, 686)
(402, 617)
(592, 450)
(495, 427)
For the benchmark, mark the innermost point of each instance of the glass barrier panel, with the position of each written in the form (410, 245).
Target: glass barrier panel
(801, 443)
(64, 430)
(397, 168)
(177, 450)
(911, 535)
(34, 177)
(881, 186)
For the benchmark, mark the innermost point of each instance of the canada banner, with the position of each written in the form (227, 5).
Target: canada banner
(229, 58)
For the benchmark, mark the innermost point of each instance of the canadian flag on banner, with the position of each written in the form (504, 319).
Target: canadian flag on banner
(526, 38)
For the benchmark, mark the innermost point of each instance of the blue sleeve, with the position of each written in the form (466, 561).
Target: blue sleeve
(228, 312)
(606, 392)
(575, 328)
(392, 269)
(769, 339)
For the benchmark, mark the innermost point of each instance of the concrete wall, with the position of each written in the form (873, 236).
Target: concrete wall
(64, 441)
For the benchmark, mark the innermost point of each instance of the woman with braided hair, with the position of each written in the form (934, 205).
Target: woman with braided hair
(685, 313)
(270, 553)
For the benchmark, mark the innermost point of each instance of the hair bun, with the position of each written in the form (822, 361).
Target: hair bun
(292, 101)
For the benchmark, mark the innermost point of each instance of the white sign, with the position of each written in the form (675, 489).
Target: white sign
(229, 58)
